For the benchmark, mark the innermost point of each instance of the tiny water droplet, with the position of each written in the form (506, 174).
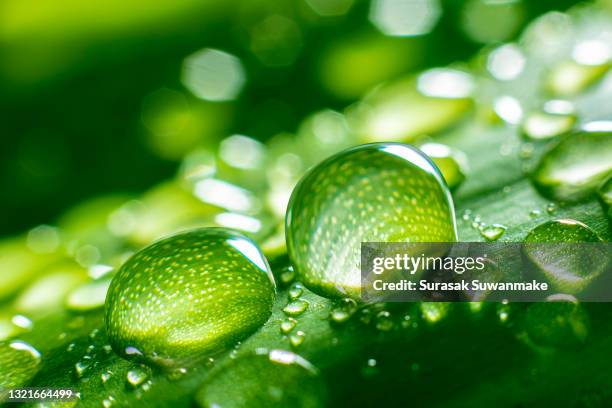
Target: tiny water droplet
(343, 310)
(384, 322)
(108, 402)
(105, 376)
(493, 232)
(138, 375)
(535, 213)
(551, 208)
(297, 339)
(295, 291)
(177, 373)
(287, 275)
(288, 325)
(296, 307)
(433, 312)
(81, 367)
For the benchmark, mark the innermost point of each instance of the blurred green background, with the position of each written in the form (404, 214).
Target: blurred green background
(95, 96)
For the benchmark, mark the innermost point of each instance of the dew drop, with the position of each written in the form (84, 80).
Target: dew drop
(394, 186)
(297, 339)
(559, 323)
(295, 291)
(384, 322)
(343, 310)
(187, 296)
(295, 307)
(493, 232)
(288, 325)
(566, 253)
(577, 165)
(19, 363)
(138, 375)
(245, 382)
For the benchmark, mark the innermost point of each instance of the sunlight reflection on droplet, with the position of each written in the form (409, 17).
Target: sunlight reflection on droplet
(242, 152)
(506, 62)
(405, 18)
(509, 109)
(213, 75)
(445, 83)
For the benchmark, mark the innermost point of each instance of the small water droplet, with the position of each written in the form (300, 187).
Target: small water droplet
(287, 275)
(384, 322)
(105, 376)
(577, 165)
(138, 375)
(295, 291)
(81, 367)
(108, 402)
(297, 339)
(296, 307)
(343, 310)
(535, 213)
(433, 312)
(288, 325)
(493, 232)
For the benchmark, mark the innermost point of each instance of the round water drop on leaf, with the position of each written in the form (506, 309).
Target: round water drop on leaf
(567, 254)
(19, 363)
(559, 323)
(578, 164)
(278, 378)
(187, 296)
(376, 192)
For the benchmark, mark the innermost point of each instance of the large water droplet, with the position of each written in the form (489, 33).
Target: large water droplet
(559, 250)
(376, 192)
(19, 362)
(578, 164)
(278, 378)
(188, 295)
